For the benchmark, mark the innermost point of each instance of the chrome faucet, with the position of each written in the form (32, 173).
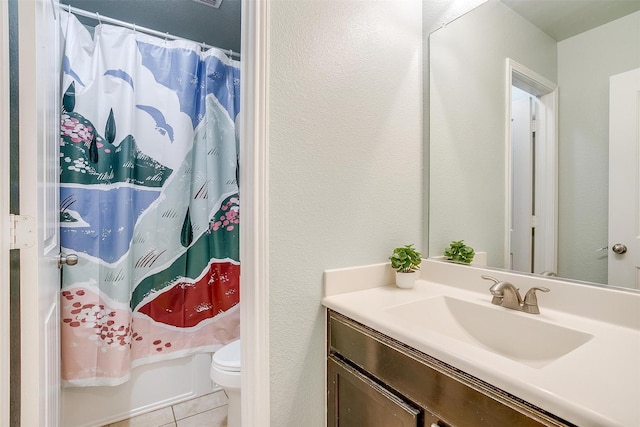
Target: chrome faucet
(508, 296)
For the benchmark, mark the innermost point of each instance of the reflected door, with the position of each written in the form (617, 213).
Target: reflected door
(522, 187)
(624, 180)
(533, 182)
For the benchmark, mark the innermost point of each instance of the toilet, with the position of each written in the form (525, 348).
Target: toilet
(225, 371)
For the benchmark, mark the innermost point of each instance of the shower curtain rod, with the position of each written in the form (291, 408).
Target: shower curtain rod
(101, 19)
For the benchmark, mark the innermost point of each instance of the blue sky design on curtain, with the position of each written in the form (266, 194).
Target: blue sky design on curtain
(116, 207)
(149, 201)
(213, 76)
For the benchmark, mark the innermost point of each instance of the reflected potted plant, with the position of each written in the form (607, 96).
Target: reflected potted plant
(406, 262)
(459, 252)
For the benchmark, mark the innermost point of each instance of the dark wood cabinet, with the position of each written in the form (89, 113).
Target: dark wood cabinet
(374, 380)
(359, 401)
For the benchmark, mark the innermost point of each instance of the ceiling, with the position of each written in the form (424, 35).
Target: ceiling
(183, 18)
(562, 19)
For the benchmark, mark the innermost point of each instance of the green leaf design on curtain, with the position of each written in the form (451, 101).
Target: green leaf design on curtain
(218, 244)
(69, 98)
(110, 128)
(186, 235)
(93, 150)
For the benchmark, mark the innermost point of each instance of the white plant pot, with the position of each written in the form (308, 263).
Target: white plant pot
(407, 280)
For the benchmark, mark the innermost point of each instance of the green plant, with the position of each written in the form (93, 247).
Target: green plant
(405, 259)
(459, 252)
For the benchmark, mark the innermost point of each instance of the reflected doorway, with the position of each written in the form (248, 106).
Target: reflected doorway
(531, 238)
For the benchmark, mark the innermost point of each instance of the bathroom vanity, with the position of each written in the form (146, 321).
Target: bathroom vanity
(374, 380)
(442, 355)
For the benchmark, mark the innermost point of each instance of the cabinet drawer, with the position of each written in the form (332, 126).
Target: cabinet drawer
(455, 397)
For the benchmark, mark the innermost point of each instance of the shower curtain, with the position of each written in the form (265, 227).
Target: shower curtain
(148, 201)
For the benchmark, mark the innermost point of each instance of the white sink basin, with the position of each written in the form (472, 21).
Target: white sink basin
(517, 336)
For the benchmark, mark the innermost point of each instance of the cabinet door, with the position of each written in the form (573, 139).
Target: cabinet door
(356, 401)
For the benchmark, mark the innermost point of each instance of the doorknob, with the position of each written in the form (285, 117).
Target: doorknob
(619, 248)
(70, 259)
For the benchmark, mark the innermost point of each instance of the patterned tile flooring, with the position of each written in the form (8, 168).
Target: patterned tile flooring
(206, 411)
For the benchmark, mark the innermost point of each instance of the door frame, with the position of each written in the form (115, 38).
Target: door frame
(254, 236)
(4, 215)
(547, 132)
(254, 233)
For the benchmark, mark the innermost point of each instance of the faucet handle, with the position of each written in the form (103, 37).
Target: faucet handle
(495, 297)
(496, 293)
(530, 303)
(493, 279)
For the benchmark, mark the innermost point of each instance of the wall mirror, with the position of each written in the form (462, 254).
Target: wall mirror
(555, 203)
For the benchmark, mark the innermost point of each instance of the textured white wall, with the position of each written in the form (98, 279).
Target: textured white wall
(345, 169)
(585, 63)
(467, 132)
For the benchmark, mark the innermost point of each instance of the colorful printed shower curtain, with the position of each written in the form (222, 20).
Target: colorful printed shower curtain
(149, 201)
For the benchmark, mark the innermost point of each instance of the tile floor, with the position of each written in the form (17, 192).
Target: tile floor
(209, 410)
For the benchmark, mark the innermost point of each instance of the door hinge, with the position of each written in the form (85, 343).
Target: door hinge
(534, 125)
(535, 222)
(22, 231)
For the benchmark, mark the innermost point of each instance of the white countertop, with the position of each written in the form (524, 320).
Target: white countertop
(597, 384)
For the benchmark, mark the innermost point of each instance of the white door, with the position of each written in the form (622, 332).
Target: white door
(624, 179)
(522, 183)
(39, 118)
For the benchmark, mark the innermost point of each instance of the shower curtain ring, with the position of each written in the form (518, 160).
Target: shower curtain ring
(134, 27)
(98, 17)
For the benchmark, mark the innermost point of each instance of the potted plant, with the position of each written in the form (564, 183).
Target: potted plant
(459, 252)
(406, 262)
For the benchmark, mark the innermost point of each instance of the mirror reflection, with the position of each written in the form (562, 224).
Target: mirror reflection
(533, 137)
